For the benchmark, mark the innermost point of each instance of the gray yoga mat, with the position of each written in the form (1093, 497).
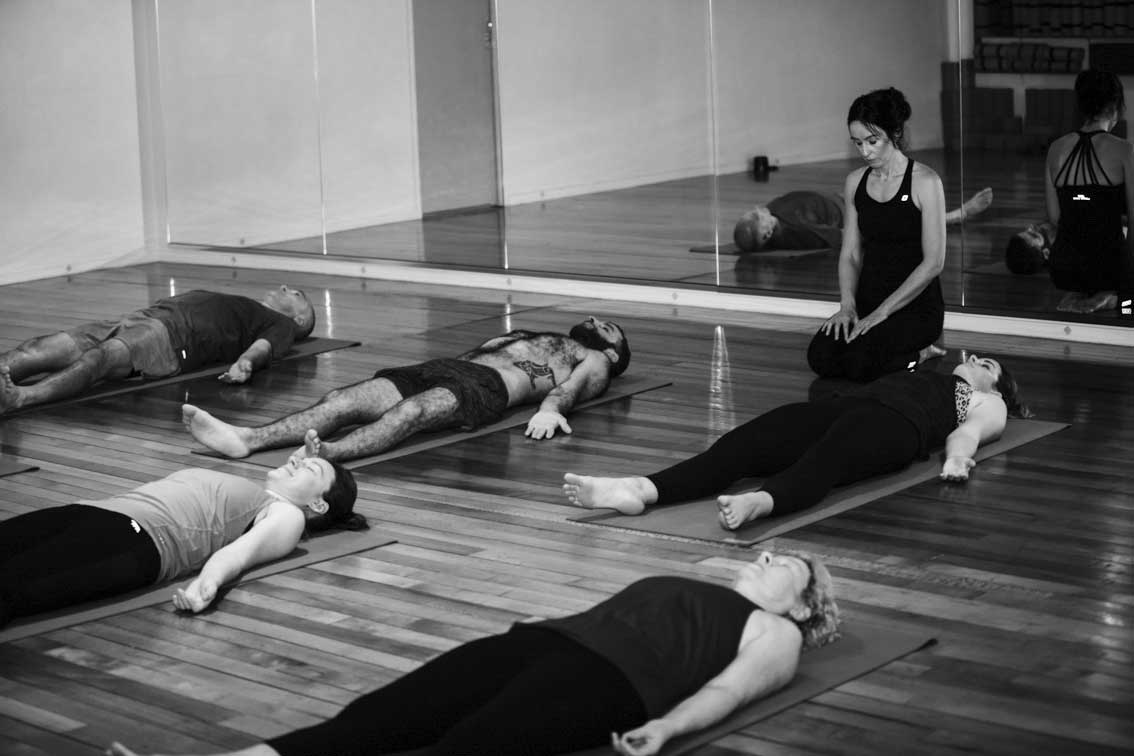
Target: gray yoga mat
(304, 348)
(697, 520)
(862, 648)
(9, 466)
(620, 387)
(767, 254)
(328, 545)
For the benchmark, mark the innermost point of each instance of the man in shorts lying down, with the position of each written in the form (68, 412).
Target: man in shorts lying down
(471, 390)
(173, 335)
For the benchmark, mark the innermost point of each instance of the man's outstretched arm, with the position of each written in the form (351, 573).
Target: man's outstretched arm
(588, 380)
(254, 358)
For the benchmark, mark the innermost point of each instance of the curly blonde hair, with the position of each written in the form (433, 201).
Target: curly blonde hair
(822, 625)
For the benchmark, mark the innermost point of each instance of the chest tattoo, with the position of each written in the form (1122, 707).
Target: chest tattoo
(535, 371)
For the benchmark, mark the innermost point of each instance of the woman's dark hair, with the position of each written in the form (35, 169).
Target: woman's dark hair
(1097, 92)
(340, 504)
(884, 109)
(822, 624)
(1021, 257)
(1010, 393)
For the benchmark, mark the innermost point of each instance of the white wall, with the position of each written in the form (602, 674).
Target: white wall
(262, 145)
(788, 71)
(596, 95)
(70, 187)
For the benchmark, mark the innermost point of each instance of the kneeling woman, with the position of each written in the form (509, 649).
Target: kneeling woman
(808, 448)
(193, 519)
(664, 656)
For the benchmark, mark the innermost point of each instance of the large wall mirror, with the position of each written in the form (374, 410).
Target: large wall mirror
(610, 139)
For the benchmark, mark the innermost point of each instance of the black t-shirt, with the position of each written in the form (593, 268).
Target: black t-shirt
(207, 328)
(808, 220)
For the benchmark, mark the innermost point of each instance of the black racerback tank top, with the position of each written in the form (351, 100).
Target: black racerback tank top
(668, 635)
(890, 234)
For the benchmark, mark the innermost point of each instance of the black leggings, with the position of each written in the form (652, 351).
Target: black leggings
(527, 691)
(64, 555)
(806, 449)
(890, 346)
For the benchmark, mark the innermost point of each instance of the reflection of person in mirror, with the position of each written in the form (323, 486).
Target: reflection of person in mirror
(665, 656)
(1089, 187)
(173, 335)
(814, 220)
(805, 449)
(1029, 250)
(891, 309)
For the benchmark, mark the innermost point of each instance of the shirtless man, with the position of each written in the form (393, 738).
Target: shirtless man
(474, 389)
(173, 335)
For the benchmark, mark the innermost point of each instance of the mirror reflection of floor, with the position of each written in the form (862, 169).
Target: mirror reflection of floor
(645, 234)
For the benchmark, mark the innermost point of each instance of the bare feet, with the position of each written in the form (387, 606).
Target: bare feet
(213, 433)
(930, 352)
(1070, 302)
(977, 204)
(312, 446)
(1103, 300)
(743, 508)
(10, 394)
(630, 496)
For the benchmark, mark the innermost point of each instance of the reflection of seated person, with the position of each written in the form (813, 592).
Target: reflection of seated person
(814, 220)
(1090, 185)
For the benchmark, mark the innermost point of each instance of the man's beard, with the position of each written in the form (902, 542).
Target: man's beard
(585, 334)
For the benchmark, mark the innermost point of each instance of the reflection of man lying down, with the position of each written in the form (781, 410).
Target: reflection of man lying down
(814, 220)
(472, 390)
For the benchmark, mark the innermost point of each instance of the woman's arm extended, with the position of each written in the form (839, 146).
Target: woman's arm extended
(274, 535)
(985, 422)
(766, 662)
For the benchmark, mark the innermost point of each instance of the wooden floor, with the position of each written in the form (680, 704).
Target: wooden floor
(645, 234)
(1023, 575)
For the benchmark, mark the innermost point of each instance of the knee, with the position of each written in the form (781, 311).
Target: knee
(822, 357)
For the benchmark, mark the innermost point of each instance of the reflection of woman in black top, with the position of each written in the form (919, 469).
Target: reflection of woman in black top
(1090, 185)
(662, 657)
(891, 308)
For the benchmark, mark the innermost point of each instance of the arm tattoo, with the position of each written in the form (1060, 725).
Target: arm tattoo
(535, 370)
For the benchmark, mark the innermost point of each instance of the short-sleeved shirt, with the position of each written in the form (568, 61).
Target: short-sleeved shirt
(190, 514)
(807, 220)
(207, 328)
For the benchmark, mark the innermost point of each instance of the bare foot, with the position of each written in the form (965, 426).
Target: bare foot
(626, 495)
(1070, 302)
(10, 394)
(213, 433)
(978, 203)
(1103, 300)
(743, 508)
(930, 352)
(312, 446)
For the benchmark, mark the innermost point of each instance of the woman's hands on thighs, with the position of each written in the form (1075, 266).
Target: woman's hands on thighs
(841, 323)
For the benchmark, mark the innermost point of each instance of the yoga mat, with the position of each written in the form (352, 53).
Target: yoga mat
(861, 649)
(620, 387)
(697, 520)
(9, 466)
(318, 549)
(731, 249)
(304, 348)
(999, 268)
